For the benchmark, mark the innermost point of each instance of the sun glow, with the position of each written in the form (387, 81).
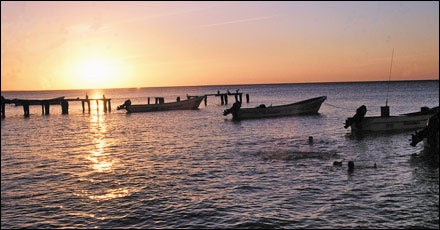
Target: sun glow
(97, 71)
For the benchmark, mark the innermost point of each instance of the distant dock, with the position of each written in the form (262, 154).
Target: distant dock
(64, 102)
(45, 104)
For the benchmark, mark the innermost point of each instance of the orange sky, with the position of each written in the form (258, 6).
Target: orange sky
(80, 45)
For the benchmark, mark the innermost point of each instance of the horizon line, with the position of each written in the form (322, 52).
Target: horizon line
(177, 86)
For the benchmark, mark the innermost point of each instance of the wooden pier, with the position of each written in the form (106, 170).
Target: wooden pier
(224, 97)
(45, 104)
(64, 102)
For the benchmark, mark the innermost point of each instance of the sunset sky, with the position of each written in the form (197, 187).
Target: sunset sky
(80, 45)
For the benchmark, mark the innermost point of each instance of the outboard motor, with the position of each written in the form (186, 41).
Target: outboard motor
(357, 118)
(234, 110)
(125, 105)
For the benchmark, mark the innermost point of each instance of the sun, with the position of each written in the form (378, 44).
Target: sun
(96, 71)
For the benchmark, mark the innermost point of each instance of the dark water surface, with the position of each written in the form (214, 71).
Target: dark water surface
(198, 169)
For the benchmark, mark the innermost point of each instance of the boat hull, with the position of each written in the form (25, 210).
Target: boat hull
(392, 123)
(190, 104)
(52, 101)
(306, 107)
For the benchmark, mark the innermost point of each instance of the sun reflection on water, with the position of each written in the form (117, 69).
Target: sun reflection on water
(101, 161)
(111, 194)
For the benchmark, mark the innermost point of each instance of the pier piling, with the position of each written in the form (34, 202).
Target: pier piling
(64, 107)
(3, 111)
(26, 109)
(46, 108)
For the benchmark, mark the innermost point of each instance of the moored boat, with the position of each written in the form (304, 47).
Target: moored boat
(51, 101)
(387, 123)
(306, 107)
(189, 104)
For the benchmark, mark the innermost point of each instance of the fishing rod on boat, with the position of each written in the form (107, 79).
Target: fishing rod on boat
(385, 110)
(389, 77)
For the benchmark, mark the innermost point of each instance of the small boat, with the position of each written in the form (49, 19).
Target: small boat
(385, 122)
(189, 104)
(52, 101)
(306, 107)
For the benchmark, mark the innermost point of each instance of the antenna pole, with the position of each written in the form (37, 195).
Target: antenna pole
(389, 78)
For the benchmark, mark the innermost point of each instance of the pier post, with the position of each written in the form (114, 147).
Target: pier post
(64, 107)
(97, 105)
(3, 110)
(105, 105)
(46, 107)
(42, 108)
(109, 105)
(3, 107)
(148, 99)
(226, 99)
(26, 108)
(82, 103)
(247, 98)
(88, 102)
(221, 98)
(206, 100)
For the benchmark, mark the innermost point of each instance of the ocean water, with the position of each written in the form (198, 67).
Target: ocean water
(199, 169)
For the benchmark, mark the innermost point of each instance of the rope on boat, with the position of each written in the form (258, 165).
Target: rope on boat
(337, 106)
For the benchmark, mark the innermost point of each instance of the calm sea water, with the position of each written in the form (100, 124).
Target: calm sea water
(198, 169)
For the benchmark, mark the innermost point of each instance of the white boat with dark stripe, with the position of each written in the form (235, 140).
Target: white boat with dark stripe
(306, 107)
